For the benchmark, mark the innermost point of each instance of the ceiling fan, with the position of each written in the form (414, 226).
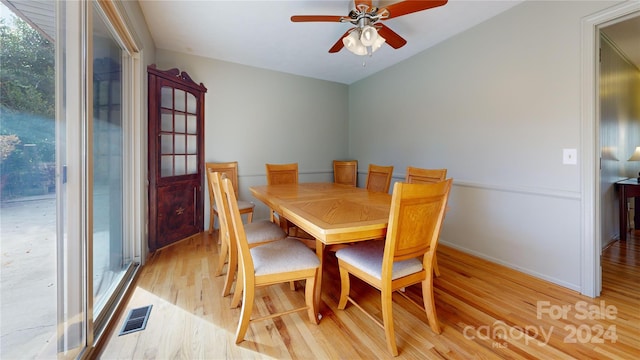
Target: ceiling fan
(369, 33)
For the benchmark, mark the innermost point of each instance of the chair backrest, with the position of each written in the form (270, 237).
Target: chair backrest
(415, 220)
(282, 173)
(345, 172)
(237, 233)
(424, 176)
(215, 184)
(230, 169)
(379, 178)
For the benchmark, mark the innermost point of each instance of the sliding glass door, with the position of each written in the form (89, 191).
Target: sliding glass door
(110, 254)
(68, 195)
(28, 283)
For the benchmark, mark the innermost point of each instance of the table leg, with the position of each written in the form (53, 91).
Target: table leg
(320, 252)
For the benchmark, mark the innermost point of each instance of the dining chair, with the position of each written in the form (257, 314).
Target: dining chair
(230, 169)
(424, 176)
(281, 261)
(379, 178)
(257, 233)
(345, 172)
(404, 258)
(285, 174)
(281, 174)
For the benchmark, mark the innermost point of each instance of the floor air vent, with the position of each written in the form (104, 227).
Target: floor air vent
(136, 321)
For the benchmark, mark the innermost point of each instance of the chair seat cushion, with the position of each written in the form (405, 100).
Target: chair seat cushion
(367, 256)
(243, 205)
(263, 231)
(283, 256)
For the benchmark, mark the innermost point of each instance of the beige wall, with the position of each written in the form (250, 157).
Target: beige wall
(496, 105)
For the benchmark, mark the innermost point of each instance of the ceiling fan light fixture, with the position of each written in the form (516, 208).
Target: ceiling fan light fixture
(378, 43)
(369, 35)
(352, 43)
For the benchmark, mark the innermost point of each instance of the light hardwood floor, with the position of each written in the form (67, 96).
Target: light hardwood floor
(486, 311)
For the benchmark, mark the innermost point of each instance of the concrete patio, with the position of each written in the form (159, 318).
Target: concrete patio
(28, 278)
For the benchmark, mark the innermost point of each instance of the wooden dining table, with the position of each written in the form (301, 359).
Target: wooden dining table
(331, 213)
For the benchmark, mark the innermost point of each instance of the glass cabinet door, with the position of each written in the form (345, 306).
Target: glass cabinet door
(178, 133)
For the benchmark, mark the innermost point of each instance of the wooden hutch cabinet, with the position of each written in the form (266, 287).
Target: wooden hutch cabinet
(176, 156)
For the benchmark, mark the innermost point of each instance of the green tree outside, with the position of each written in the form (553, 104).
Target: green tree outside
(27, 75)
(27, 110)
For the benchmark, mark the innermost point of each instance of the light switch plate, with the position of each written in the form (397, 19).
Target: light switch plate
(569, 156)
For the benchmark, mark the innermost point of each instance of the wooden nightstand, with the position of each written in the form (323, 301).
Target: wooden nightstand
(628, 188)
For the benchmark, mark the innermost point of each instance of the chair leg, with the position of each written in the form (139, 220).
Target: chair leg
(245, 313)
(292, 285)
(224, 250)
(429, 302)
(436, 269)
(285, 225)
(249, 217)
(309, 296)
(345, 288)
(387, 319)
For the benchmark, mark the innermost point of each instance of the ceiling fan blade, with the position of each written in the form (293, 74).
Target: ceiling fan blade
(323, 18)
(339, 44)
(411, 6)
(392, 38)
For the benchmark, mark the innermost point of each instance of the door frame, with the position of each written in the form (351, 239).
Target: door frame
(591, 272)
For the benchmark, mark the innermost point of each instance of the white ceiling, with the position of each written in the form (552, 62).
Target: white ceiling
(259, 33)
